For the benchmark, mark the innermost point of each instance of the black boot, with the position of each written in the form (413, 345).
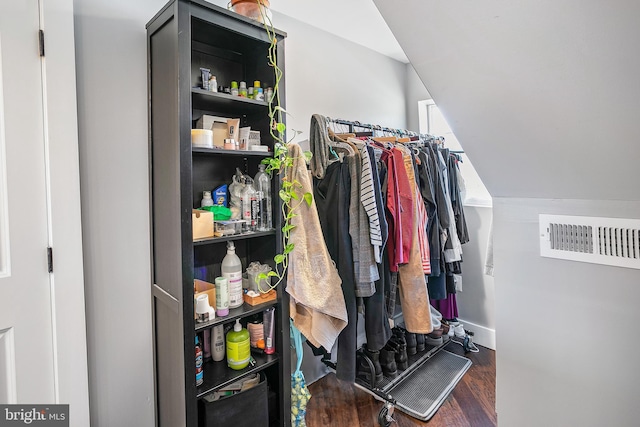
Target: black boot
(410, 337)
(420, 346)
(364, 369)
(399, 346)
(388, 362)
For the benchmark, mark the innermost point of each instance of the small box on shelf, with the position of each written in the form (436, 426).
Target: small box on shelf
(255, 298)
(202, 224)
(201, 287)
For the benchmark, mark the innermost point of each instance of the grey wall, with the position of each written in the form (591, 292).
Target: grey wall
(476, 302)
(415, 91)
(536, 90)
(111, 54)
(334, 77)
(325, 74)
(530, 84)
(565, 329)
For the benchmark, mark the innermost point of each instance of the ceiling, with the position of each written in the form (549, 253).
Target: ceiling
(543, 95)
(355, 20)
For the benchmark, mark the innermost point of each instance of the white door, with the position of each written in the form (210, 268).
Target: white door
(27, 361)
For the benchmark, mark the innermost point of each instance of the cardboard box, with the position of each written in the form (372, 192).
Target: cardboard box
(201, 287)
(218, 125)
(202, 222)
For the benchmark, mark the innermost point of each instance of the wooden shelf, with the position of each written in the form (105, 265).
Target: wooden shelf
(222, 151)
(243, 236)
(218, 374)
(236, 313)
(206, 100)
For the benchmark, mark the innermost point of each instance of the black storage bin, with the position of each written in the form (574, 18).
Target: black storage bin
(249, 408)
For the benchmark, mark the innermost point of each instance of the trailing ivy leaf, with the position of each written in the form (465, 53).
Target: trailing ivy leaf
(308, 197)
(308, 155)
(281, 127)
(294, 195)
(261, 276)
(289, 248)
(279, 108)
(279, 259)
(284, 195)
(288, 227)
(272, 274)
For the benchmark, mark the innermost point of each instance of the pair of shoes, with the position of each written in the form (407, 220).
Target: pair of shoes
(420, 342)
(388, 362)
(398, 344)
(364, 368)
(412, 343)
(456, 329)
(435, 338)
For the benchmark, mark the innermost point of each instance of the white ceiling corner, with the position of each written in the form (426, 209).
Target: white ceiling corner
(358, 21)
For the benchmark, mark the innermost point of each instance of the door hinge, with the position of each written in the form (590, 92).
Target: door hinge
(41, 40)
(50, 259)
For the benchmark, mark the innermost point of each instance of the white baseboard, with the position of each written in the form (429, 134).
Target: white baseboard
(482, 335)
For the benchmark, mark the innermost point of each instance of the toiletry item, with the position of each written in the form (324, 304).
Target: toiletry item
(268, 94)
(202, 308)
(249, 205)
(220, 196)
(233, 129)
(206, 199)
(222, 296)
(262, 182)
(199, 363)
(269, 330)
(259, 96)
(230, 144)
(256, 334)
(250, 92)
(213, 84)
(217, 343)
(232, 270)
(238, 347)
(256, 85)
(206, 337)
(242, 92)
(204, 74)
(225, 89)
(202, 138)
(244, 137)
(234, 88)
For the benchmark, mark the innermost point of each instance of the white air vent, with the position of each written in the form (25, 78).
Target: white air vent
(609, 241)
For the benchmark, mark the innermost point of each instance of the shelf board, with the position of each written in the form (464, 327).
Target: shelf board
(218, 374)
(222, 151)
(205, 99)
(248, 235)
(236, 313)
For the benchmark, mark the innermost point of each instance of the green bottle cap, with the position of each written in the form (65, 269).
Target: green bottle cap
(234, 85)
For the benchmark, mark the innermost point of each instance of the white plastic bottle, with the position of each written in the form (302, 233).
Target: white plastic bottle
(232, 270)
(206, 199)
(217, 343)
(262, 183)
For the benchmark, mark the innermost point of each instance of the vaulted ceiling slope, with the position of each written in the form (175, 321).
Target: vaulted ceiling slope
(543, 95)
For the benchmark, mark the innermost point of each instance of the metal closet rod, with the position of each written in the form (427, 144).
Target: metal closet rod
(404, 132)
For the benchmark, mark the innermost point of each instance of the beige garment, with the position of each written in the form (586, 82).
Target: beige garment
(317, 303)
(412, 284)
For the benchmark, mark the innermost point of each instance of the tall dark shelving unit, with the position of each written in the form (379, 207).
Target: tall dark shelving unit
(181, 38)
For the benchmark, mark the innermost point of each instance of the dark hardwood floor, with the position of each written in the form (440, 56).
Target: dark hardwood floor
(472, 403)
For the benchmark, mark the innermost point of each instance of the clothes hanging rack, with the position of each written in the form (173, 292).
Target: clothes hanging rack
(399, 132)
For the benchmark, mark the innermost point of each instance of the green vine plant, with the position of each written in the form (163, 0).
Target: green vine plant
(280, 164)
